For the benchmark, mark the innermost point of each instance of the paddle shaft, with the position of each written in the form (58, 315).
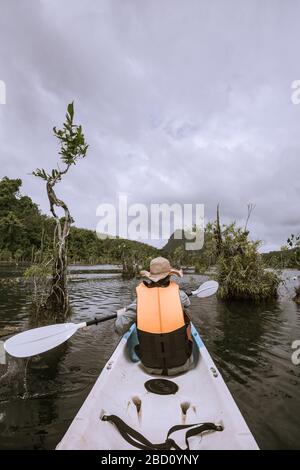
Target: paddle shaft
(38, 340)
(100, 320)
(110, 317)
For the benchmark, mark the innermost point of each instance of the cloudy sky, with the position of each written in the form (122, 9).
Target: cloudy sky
(181, 101)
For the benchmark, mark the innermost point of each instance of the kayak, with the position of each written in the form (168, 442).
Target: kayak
(128, 409)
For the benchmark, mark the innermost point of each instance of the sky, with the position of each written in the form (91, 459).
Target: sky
(180, 102)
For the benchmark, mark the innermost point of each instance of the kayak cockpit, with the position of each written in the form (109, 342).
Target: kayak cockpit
(201, 396)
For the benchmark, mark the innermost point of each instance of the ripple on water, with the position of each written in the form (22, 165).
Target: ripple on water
(250, 344)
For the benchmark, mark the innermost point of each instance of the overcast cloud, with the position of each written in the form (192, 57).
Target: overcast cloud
(181, 101)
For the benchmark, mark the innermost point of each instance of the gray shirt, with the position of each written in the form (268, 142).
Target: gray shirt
(128, 318)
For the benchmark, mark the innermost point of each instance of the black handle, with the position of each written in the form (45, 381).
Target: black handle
(100, 320)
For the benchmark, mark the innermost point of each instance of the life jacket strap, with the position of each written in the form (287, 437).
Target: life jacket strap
(139, 441)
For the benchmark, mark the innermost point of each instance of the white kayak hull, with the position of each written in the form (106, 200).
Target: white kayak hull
(202, 396)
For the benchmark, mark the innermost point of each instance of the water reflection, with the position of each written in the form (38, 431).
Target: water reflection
(251, 345)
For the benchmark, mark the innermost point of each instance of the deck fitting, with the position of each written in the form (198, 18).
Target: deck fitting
(184, 407)
(138, 403)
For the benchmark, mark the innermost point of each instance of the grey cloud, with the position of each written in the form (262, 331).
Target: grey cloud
(180, 102)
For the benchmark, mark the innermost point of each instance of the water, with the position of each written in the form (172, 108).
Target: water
(251, 346)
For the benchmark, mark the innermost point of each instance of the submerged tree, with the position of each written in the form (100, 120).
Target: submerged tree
(240, 267)
(72, 147)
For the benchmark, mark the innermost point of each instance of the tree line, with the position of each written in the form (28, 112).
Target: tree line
(26, 235)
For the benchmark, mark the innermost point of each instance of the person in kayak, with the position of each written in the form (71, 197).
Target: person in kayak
(163, 325)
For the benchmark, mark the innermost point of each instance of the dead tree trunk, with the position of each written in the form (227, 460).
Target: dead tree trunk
(73, 147)
(130, 267)
(218, 234)
(58, 297)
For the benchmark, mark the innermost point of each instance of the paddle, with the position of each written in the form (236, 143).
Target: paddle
(38, 340)
(206, 290)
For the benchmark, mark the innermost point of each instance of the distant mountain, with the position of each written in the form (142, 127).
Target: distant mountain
(174, 243)
(176, 240)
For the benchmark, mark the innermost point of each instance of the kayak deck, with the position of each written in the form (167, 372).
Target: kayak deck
(202, 396)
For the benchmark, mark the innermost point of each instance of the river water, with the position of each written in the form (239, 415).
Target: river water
(250, 344)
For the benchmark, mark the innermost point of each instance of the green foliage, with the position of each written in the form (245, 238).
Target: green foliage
(40, 172)
(72, 146)
(283, 259)
(26, 235)
(241, 270)
(40, 275)
(180, 256)
(85, 247)
(175, 241)
(72, 140)
(200, 259)
(39, 271)
(6, 255)
(293, 241)
(20, 221)
(287, 257)
(200, 267)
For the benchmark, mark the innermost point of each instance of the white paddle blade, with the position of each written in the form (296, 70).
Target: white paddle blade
(38, 340)
(207, 289)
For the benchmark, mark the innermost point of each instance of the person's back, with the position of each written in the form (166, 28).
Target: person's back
(162, 323)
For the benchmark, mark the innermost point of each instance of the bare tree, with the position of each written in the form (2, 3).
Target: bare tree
(251, 208)
(72, 147)
(218, 233)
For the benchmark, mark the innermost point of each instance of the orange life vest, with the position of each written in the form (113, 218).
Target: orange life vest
(161, 327)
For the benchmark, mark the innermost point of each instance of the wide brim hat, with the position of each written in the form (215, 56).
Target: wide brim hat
(159, 269)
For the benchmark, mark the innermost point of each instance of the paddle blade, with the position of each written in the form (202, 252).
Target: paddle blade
(38, 340)
(206, 289)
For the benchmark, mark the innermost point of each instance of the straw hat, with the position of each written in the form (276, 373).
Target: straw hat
(159, 269)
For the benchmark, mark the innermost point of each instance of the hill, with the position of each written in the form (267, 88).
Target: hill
(26, 234)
